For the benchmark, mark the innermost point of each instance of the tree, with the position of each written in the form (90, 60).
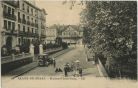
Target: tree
(111, 31)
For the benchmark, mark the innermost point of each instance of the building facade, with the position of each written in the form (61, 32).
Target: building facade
(72, 35)
(51, 35)
(22, 23)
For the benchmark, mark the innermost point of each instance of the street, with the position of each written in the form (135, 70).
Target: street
(76, 54)
(46, 75)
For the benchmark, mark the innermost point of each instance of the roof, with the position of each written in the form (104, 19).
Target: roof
(74, 27)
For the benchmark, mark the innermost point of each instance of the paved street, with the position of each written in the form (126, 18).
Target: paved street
(75, 54)
(90, 72)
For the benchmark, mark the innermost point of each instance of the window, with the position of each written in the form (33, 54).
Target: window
(28, 18)
(5, 24)
(23, 28)
(35, 21)
(12, 12)
(9, 25)
(18, 15)
(32, 20)
(23, 17)
(18, 26)
(32, 30)
(19, 41)
(32, 11)
(28, 29)
(5, 8)
(23, 6)
(13, 26)
(28, 9)
(9, 10)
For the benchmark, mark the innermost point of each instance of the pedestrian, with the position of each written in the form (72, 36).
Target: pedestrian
(56, 70)
(65, 71)
(59, 69)
(54, 62)
(80, 71)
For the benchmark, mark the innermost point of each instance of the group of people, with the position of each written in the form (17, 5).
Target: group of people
(73, 67)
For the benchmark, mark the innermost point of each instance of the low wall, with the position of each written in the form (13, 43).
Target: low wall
(6, 67)
(9, 62)
(102, 69)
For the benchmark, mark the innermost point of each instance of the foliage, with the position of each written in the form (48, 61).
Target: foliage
(58, 40)
(110, 30)
(64, 45)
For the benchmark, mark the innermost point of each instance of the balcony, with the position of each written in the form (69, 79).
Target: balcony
(24, 21)
(9, 32)
(42, 26)
(12, 3)
(43, 36)
(36, 25)
(32, 24)
(19, 20)
(28, 22)
(9, 16)
(28, 34)
(43, 19)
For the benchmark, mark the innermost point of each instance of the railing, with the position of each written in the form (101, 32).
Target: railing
(36, 25)
(42, 26)
(32, 24)
(24, 21)
(53, 50)
(13, 3)
(28, 34)
(9, 16)
(43, 36)
(28, 22)
(13, 57)
(19, 20)
(10, 32)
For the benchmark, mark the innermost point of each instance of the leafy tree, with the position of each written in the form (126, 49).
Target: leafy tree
(111, 29)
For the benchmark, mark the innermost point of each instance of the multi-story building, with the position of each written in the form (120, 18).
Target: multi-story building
(21, 23)
(51, 35)
(72, 35)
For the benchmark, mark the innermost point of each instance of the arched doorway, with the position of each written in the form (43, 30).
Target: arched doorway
(9, 43)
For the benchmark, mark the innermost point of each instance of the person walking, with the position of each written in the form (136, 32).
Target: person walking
(65, 71)
(54, 62)
(80, 71)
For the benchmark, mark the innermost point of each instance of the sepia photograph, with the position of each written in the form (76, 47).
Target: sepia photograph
(68, 44)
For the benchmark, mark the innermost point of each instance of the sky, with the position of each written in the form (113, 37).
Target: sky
(59, 13)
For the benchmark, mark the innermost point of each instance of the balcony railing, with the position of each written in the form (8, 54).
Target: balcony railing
(28, 22)
(9, 32)
(42, 26)
(43, 36)
(36, 25)
(28, 34)
(19, 20)
(13, 2)
(9, 16)
(24, 21)
(32, 24)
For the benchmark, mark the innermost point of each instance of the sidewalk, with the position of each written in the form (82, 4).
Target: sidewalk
(90, 71)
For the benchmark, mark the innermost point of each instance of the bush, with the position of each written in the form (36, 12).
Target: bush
(64, 45)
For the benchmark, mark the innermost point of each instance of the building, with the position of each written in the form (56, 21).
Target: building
(51, 35)
(72, 35)
(22, 23)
